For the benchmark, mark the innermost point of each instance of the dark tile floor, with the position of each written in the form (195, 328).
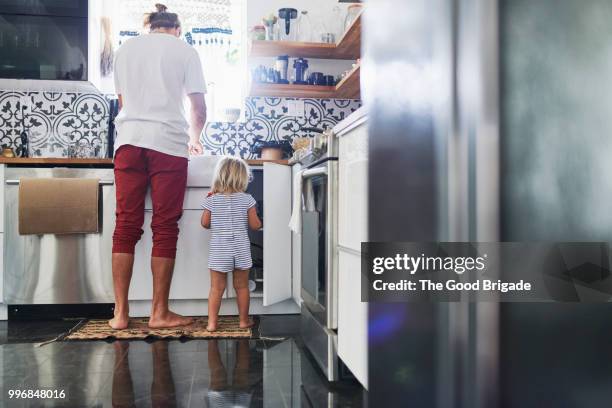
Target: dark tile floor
(195, 373)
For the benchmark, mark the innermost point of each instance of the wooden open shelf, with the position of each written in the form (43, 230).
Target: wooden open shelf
(348, 48)
(348, 88)
(293, 91)
(293, 49)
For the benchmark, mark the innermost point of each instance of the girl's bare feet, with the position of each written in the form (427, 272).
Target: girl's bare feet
(246, 324)
(168, 320)
(119, 322)
(212, 326)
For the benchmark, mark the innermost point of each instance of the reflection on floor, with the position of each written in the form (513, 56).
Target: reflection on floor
(195, 373)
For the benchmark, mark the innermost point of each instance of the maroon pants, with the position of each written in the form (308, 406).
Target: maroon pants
(136, 169)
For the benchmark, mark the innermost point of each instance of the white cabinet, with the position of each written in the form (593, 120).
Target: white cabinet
(296, 252)
(2, 307)
(191, 277)
(352, 230)
(277, 235)
(2, 201)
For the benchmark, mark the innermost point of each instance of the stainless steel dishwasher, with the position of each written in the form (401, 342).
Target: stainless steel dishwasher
(58, 269)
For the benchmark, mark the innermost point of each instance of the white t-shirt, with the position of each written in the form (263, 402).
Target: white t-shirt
(154, 73)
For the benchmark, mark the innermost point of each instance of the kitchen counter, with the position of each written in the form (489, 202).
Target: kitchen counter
(52, 160)
(95, 161)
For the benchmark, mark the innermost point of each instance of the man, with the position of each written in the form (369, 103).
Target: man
(153, 73)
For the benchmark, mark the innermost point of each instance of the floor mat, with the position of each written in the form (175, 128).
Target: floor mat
(228, 328)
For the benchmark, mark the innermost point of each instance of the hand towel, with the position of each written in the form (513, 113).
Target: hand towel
(58, 206)
(295, 223)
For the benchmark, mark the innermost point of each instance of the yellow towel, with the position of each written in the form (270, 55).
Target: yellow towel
(58, 206)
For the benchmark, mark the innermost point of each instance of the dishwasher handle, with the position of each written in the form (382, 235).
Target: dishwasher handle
(317, 171)
(101, 182)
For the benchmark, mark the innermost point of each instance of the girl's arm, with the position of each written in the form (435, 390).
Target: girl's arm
(254, 221)
(206, 219)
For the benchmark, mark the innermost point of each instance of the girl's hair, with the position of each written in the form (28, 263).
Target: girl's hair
(232, 175)
(161, 18)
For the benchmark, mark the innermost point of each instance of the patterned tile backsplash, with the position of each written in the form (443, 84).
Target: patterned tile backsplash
(55, 122)
(60, 123)
(267, 119)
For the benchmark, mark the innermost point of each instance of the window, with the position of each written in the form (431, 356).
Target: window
(215, 28)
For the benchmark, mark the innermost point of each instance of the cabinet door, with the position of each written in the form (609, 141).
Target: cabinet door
(353, 188)
(352, 230)
(2, 198)
(352, 316)
(277, 235)
(296, 254)
(191, 279)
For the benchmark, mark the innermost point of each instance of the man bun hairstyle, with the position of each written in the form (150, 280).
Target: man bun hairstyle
(161, 18)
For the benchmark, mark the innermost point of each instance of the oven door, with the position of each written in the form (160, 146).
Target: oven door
(317, 241)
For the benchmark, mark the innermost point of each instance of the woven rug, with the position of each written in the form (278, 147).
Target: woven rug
(228, 327)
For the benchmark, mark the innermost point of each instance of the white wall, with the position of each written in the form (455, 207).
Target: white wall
(97, 10)
(319, 10)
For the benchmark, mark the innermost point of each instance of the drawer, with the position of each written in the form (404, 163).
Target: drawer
(194, 196)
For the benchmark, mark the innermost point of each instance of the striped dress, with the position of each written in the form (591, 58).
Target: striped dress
(230, 247)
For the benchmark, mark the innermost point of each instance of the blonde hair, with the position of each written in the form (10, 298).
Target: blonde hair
(232, 175)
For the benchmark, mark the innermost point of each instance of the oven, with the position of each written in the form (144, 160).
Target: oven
(319, 264)
(318, 272)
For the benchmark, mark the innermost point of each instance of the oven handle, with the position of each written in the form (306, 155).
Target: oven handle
(102, 182)
(318, 171)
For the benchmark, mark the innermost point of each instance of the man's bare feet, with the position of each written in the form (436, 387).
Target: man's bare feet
(170, 319)
(246, 324)
(119, 322)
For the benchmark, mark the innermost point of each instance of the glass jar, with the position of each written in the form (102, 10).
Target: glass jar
(258, 33)
(304, 27)
(352, 13)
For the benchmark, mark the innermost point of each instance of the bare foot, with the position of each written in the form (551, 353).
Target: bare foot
(119, 322)
(168, 320)
(212, 326)
(246, 325)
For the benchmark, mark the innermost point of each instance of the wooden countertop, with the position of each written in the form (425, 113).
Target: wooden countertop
(259, 162)
(53, 160)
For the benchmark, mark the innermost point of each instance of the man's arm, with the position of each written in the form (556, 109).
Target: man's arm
(198, 121)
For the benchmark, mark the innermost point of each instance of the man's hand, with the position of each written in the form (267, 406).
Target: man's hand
(195, 148)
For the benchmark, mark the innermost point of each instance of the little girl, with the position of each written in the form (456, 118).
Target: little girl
(228, 213)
